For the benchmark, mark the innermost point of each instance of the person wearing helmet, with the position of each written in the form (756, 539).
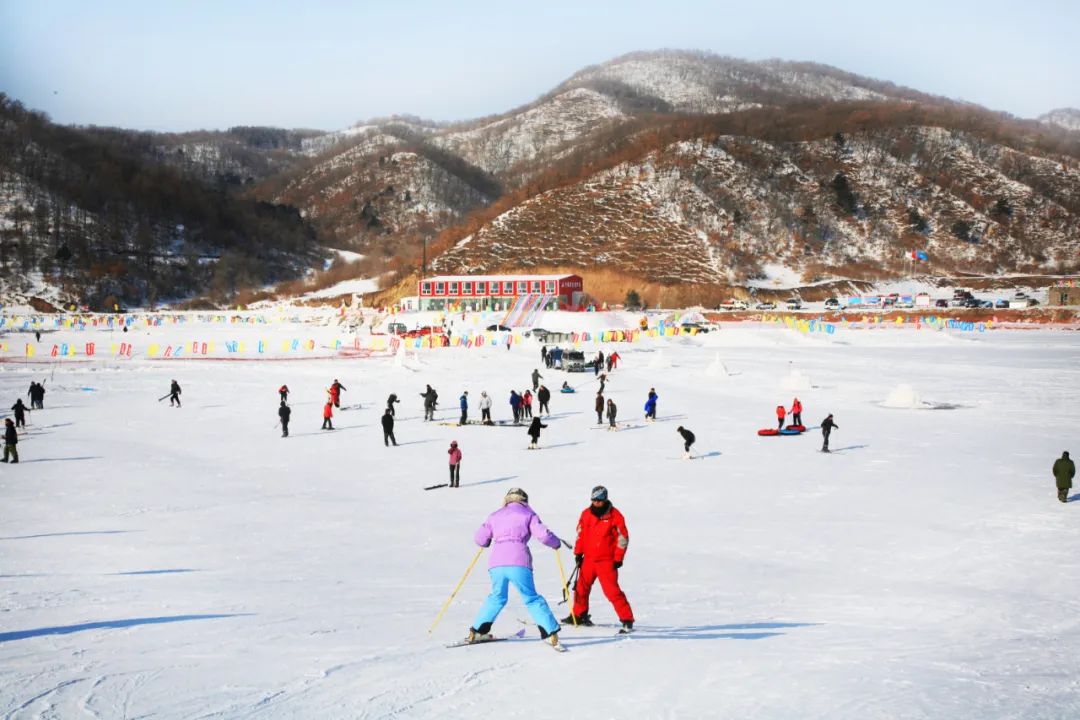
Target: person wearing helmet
(507, 531)
(602, 539)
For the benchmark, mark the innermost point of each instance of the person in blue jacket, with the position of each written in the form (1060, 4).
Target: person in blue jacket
(464, 402)
(650, 405)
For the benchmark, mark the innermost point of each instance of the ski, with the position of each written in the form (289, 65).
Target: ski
(432, 487)
(482, 641)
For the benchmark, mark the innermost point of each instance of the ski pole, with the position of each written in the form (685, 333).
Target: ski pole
(570, 583)
(451, 598)
(566, 588)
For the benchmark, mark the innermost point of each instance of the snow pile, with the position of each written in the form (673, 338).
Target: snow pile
(716, 368)
(659, 361)
(795, 380)
(903, 396)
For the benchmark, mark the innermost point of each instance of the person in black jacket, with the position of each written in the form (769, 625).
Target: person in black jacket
(284, 413)
(544, 396)
(431, 399)
(827, 426)
(390, 403)
(599, 407)
(11, 441)
(20, 413)
(612, 411)
(534, 432)
(174, 394)
(688, 438)
(388, 427)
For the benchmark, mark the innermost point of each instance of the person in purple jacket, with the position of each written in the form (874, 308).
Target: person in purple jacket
(507, 531)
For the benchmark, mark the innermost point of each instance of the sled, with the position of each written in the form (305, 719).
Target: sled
(568, 391)
(768, 431)
(796, 428)
(791, 431)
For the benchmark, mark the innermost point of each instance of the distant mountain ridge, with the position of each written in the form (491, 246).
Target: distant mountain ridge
(683, 167)
(1068, 118)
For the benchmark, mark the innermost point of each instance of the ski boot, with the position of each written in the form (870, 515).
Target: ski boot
(479, 635)
(583, 620)
(627, 627)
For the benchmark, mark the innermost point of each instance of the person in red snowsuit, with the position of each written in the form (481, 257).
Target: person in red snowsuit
(780, 413)
(602, 539)
(335, 393)
(796, 412)
(327, 414)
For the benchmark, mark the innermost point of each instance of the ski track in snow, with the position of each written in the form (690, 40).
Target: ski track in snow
(164, 563)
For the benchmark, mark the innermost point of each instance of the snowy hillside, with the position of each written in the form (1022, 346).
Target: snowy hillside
(1068, 118)
(176, 563)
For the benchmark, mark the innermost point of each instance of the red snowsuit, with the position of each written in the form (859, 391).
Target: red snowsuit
(780, 412)
(603, 541)
(328, 411)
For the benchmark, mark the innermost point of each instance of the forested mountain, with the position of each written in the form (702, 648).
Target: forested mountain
(686, 168)
(98, 213)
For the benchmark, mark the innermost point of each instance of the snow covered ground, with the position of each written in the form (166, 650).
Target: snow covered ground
(191, 563)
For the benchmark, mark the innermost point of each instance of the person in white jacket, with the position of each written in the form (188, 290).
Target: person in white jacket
(485, 408)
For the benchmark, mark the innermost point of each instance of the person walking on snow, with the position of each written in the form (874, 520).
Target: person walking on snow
(327, 414)
(455, 464)
(508, 531)
(543, 396)
(390, 401)
(780, 414)
(796, 412)
(544, 355)
(688, 438)
(515, 405)
(614, 357)
(599, 551)
(284, 412)
(174, 394)
(534, 432)
(599, 407)
(827, 426)
(650, 405)
(335, 392)
(526, 403)
(603, 381)
(536, 379)
(612, 411)
(20, 413)
(283, 393)
(388, 427)
(11, 441)
(485, 408)
(1064, 470)
(463, 402)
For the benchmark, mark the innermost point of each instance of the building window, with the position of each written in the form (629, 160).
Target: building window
(549, 287)
(440, 288)
(523, 287)
(535, 286)
(453, 289)
(508, 287)
(481, 287)
(425, 288)
(466, 288)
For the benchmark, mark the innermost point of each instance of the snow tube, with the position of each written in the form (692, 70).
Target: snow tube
(790, 431)
(797, 428)
(566, 390)
(768, 431)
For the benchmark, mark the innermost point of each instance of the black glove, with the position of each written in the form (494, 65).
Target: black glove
(578, 559)
(618, 564)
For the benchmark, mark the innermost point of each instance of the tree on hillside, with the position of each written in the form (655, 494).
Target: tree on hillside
(845, 198)
(633, 300)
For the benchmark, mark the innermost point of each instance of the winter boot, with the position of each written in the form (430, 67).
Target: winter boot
(479, 634)
(627, 627)
(583, 620)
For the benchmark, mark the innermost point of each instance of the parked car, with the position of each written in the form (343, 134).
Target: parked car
(1003, 303)
(1021, 295)
(941, 303)
(971, 303)
(692, 326)
(538, 333)
(498, 328)
(734, 304)
(1031, 302)
(574, 361)
(793, 304)
(396, 328)
(832, 304)
(767, 305)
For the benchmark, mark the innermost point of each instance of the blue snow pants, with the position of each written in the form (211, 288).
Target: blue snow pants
(522, 578)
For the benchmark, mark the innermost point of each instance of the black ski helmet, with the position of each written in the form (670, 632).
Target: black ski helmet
(598, 493)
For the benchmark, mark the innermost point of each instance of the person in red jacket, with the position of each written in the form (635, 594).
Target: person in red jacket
(780, 413)
(327, 413)
(796, 412)
(335, 393)
(455, 464)
(601, 544)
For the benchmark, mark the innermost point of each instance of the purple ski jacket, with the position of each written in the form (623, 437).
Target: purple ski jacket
(510, 528)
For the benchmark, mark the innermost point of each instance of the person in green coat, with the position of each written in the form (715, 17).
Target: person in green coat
(1064, 470)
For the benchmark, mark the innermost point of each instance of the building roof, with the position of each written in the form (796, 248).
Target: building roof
(501, 278)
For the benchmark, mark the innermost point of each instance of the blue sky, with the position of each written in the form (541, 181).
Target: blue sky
(324, 64)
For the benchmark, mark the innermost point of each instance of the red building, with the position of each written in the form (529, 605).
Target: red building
(499, 292)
